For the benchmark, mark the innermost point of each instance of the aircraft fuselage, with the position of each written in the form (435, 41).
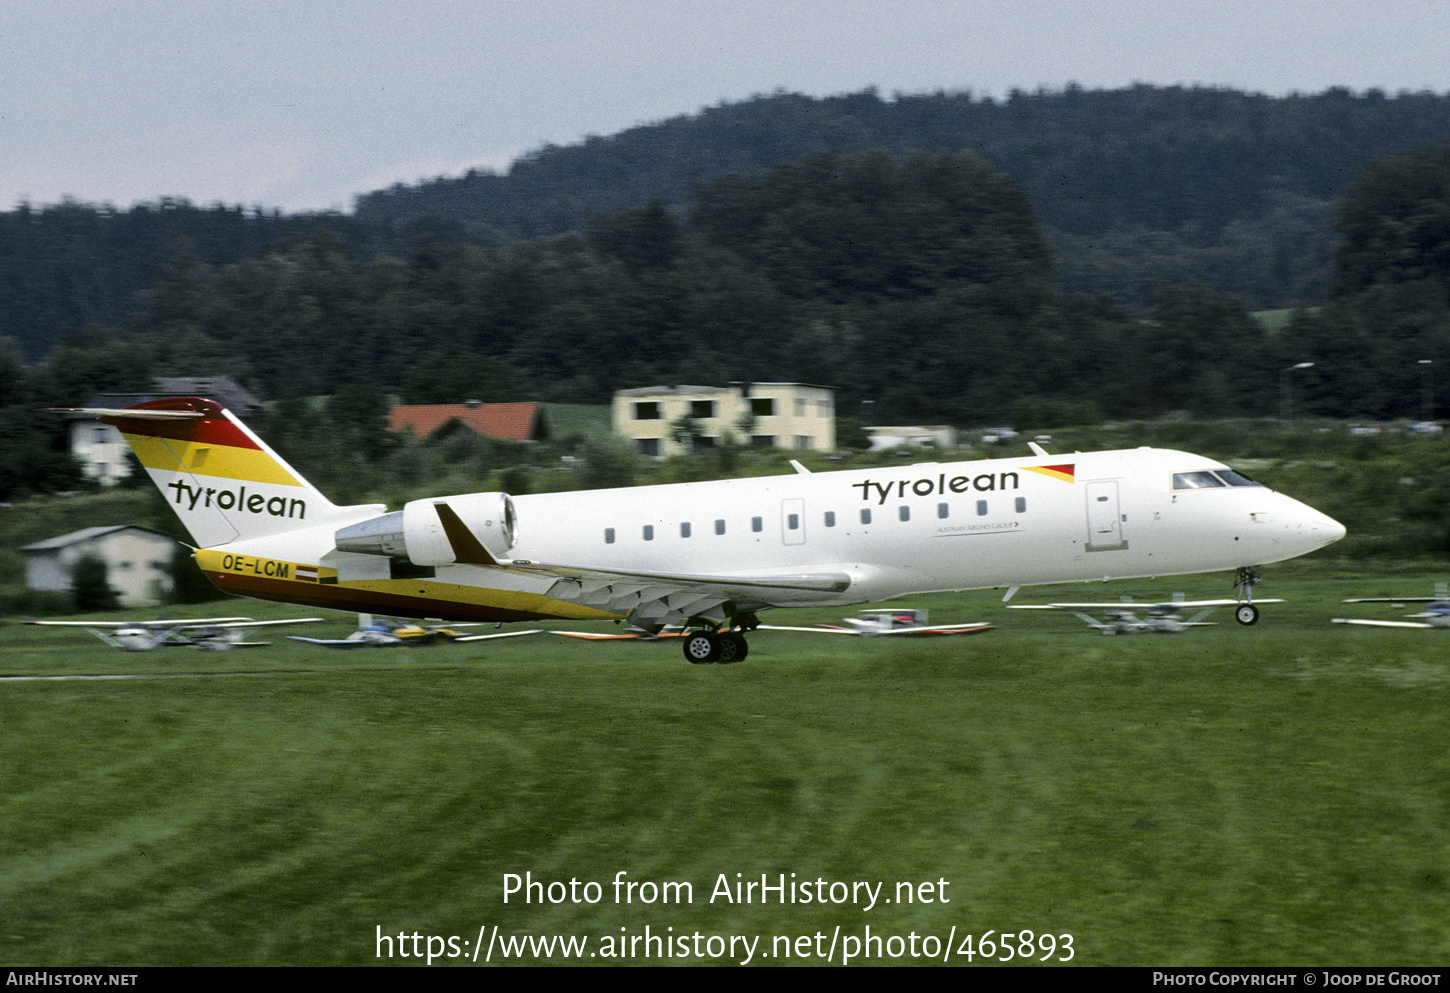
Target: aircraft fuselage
(885, 532)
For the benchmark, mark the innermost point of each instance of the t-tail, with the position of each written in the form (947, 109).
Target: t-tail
(221, 479)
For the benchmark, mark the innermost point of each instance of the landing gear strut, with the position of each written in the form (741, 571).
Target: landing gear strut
(1246, 613)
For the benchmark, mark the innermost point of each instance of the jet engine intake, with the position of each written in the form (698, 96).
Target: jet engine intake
(476, 529)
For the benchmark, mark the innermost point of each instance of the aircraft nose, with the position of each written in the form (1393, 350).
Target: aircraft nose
(1320, 529)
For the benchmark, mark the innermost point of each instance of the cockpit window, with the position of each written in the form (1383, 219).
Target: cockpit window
(1203, 479)
(1195, 480)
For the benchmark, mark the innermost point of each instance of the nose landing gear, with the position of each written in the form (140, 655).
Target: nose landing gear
(1245, 581)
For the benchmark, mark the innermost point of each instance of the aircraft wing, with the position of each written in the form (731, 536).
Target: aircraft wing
(822, 629)
(1379, 624)
(335, 642)
(974, 628)
(239, 622)
(938, 629)
(176, 624)
(650, 599)
(505, 634)
(1394, 599)
(629, 636)
(1139, 605)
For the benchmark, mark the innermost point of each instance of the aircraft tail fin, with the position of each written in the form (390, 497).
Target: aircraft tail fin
(221, 479)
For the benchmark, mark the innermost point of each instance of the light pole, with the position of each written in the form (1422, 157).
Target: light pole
(1427, 403)
(1286, 400)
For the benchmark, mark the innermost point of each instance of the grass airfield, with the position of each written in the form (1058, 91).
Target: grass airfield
(1275, 795)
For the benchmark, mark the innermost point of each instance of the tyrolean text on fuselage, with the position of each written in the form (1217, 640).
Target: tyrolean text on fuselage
(984, 482)
(189, 497)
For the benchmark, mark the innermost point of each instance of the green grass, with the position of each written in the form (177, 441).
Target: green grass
(1275, 795)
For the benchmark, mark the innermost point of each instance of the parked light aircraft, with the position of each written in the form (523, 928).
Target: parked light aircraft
(898, 621)
(214, 634)
(1436, 615)
(1157, 618)
(383, 632)
(709, 555)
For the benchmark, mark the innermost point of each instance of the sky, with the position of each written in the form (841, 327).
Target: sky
(302, 105)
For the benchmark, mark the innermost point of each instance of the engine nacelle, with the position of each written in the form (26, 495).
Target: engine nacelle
(483, 526)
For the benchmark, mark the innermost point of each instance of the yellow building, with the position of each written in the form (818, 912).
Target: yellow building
(780, 415)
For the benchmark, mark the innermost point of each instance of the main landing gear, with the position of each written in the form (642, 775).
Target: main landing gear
(703, 647)
(1246, 613)
(712, 644)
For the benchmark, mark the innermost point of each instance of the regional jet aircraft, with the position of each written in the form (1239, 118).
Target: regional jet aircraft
(709, 555)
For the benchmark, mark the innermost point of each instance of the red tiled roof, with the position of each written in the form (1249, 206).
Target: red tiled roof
(506, 421)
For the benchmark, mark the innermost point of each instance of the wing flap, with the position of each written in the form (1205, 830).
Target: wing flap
(653, 599)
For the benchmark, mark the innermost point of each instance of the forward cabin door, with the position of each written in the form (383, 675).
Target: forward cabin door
(1104, 517)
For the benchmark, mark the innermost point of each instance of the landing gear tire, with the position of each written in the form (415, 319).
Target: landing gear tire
(733, 648)
(702, 648)
(1247, 614)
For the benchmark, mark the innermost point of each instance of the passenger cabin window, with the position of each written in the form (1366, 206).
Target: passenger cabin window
(865, 515)
(609, 536)
(720, 527)
(757, 524)
(793, 521)
(905, 512)
(1021, 505)
(830, 518)
(942, 510)
(685, 530)
(649, 532)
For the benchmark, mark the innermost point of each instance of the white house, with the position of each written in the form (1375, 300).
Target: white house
(779, 415)
(138, 562)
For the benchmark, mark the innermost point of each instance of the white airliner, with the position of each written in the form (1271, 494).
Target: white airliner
(708, 555)
(211, 634)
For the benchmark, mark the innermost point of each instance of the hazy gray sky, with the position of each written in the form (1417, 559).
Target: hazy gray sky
(302, 105)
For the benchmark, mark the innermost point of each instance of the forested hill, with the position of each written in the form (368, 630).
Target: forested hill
(1136, 187)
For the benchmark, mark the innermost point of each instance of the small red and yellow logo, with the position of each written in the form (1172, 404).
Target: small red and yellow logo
(1062, 472)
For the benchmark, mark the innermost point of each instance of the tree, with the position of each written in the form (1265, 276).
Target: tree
(609, 461)
(1394, 223)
